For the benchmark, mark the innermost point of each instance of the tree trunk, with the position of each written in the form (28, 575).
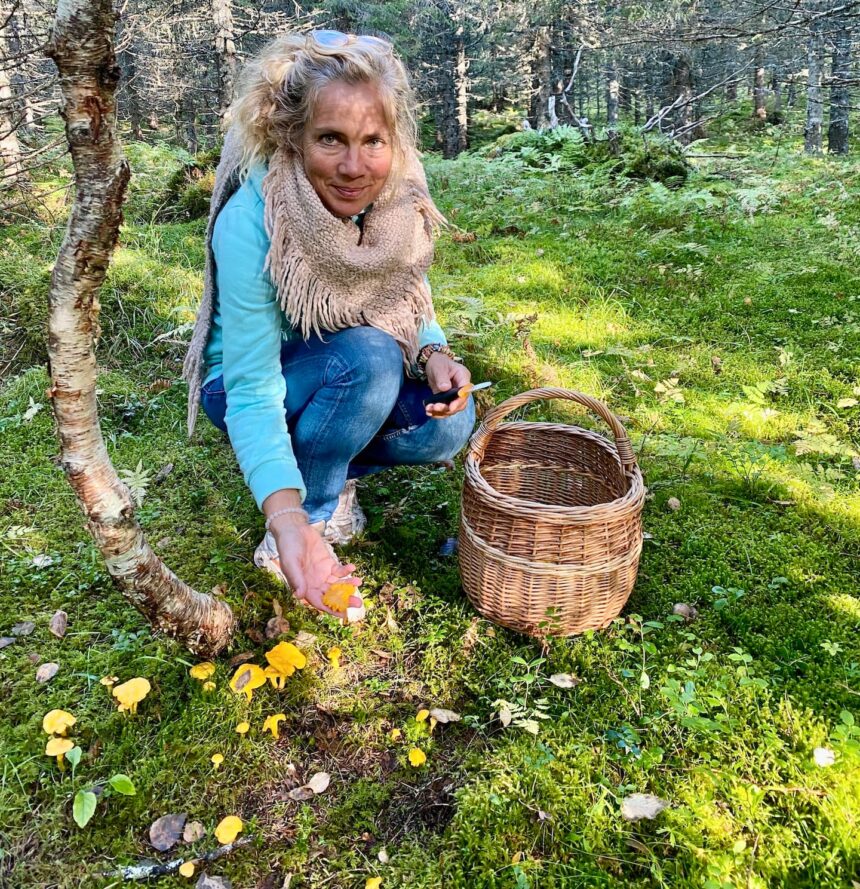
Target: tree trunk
(83, 52)
(225, 53)
(449, 124)
(541, 78)
(759, 88)
(462, 82)
(776, 83)
(840, 100)
(682, 88)
(612, 94)
(814, 111)
(11, 167)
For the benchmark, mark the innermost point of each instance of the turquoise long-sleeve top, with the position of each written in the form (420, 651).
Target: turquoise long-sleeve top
(248, 326)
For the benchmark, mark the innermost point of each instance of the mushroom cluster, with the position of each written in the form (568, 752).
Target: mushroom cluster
(56, 723)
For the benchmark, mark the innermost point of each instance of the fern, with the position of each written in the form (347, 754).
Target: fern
(137, 480)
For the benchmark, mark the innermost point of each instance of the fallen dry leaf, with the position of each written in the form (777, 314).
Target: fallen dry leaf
(162, 474)
(34, 658)
(565, 680)
(165, 832)
(207, 882)
(305, 640)
(6, 640)
(642, 805)
(193, 831)
(319, 782)
(47, 672)
(444, 716)
(240, 658)
(58, 623)
(277, 626)
(301, 794)
(24, 628)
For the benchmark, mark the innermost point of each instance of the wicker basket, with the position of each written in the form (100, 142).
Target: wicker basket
(550, 530)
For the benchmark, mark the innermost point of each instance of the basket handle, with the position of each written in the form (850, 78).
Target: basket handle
(481, 438)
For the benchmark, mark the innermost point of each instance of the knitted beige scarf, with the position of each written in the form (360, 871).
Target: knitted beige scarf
(329, 273)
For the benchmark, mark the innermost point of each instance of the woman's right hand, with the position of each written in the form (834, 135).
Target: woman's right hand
(309, 564)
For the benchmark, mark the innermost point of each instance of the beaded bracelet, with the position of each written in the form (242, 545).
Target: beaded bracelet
(424, 356)
(280, 512)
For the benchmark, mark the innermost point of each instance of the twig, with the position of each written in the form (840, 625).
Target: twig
(158, 869)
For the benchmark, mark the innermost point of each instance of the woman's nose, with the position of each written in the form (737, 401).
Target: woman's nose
(350, 164)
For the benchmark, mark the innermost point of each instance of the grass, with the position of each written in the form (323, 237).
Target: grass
(625, 289)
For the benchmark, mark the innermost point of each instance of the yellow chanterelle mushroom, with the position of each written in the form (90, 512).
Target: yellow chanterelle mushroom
(131, 693)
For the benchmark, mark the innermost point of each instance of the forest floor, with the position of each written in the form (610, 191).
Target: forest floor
(721, 319)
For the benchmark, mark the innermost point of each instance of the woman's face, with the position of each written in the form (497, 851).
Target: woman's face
(347, 147)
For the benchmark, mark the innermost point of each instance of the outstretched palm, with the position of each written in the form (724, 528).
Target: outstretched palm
(311, 567)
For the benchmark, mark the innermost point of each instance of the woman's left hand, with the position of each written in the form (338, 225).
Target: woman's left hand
(443, 374)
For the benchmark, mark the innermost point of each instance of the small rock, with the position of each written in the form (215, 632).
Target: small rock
(24, 628)
(673, 503)
(47, 672)
(688, 612)
(59, 623)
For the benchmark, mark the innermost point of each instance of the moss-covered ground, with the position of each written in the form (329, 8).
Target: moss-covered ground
(721, 319)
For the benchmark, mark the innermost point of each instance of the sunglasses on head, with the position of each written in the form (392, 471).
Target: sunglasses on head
(338, 38)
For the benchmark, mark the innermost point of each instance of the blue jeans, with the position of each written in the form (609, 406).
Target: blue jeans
(351, 411)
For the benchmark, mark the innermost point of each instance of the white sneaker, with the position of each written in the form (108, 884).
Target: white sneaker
(266, 556)
(348, 518)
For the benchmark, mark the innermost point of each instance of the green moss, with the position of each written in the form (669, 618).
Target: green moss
(585, 277)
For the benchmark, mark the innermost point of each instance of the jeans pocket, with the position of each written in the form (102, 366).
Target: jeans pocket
(214, 387)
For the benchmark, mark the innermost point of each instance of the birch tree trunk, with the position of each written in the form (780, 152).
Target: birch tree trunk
(840, 100)
(225, 53)
(461, 76)
(759, 88)
(11, 169)
(83, 53)
(814, 111)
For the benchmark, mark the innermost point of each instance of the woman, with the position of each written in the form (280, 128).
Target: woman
(316, 340)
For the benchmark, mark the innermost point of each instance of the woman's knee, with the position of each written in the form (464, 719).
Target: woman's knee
(367, 357)
(453, 432)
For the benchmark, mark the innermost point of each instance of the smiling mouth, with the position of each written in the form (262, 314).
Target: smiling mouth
(348, 192)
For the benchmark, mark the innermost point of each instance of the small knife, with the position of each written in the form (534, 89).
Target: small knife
(454, 394)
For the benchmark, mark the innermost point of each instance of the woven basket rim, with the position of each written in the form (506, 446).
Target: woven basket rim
(630, 501)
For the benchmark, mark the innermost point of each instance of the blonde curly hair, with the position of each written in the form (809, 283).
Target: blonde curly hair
(280, 86)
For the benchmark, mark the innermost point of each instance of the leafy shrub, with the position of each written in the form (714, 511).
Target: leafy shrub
(189, 189)
(564, 148)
